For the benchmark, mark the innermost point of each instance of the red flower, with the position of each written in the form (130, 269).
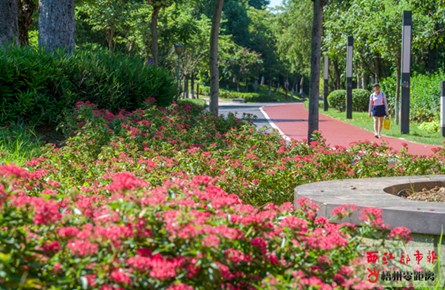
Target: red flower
(294, 223)
(125, 181)
(400, 232)
(121, 277)
(13, 171)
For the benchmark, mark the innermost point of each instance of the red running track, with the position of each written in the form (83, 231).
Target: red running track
(292, 121)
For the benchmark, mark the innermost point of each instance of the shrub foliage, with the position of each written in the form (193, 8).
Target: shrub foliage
(360, 100)
(37, 86)
(425, 96)
(249, 97)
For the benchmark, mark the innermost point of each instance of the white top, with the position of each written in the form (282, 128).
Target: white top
(377, 100)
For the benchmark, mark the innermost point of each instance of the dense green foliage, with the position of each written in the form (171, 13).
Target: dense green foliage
(424, 98)
(37, 86)
(360, 100)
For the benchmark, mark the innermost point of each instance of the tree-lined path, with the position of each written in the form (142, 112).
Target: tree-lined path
(292, 121)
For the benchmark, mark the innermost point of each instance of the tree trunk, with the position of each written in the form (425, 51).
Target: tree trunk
(364, 81)
(294, 82)
(270, 85)
(432, 59)
(314, 85)
(214, 73)
(193, 84)
(301, 84)
(9, 26)
(358, 81)
(154, 34)
(382, 71)
(237, 85)
(247, 85)
(25, 11)
(377, 67)
(396, 105)
(56, 24)
(110, 35)
(337, 74)
(186, 86)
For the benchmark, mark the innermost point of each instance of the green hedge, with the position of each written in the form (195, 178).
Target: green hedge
(249, 97)
(360, 100)
(36, 86)
(424, 99)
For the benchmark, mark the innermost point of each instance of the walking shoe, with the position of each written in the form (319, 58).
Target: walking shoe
(376, 135)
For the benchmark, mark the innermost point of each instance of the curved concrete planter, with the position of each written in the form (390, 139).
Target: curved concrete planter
(422, 218)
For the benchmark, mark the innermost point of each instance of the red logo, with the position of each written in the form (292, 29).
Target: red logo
(373, 274)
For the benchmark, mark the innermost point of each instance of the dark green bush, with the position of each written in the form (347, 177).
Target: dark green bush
(37, 86)
(337, 100)
(360, 100)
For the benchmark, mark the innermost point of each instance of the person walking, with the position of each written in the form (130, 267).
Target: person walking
(378, 106)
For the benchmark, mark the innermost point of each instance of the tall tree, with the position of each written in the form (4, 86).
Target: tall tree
(314, 86)
(293, 21)
(109, 16)
(8, 22)
(235, 21)
(56, 24)
(26, 9)
(259, 4)
(214, 72)
(242, 64)
(157, 5)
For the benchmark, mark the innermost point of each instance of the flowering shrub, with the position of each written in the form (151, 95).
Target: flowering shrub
(182, 235)
(181, 141)
(175, 198)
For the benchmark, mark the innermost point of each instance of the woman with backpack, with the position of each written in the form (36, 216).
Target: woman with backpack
(379, 108)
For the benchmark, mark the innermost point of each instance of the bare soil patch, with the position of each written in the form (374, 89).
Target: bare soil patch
(436, 194)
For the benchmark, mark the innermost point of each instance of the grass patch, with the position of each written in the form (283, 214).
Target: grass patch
(362, 120)
(18, 144)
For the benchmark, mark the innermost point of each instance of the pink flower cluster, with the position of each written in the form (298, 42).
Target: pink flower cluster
(159, 233)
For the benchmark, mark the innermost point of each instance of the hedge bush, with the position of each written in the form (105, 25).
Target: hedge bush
(337, 100)
(360, 100)
(163, 198)
(424, 99)
(37, 86)
(249, 97)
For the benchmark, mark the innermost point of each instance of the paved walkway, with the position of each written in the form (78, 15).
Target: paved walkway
(292, 121)
(226, 107)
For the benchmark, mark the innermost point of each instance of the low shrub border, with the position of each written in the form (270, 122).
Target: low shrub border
(248, 97)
